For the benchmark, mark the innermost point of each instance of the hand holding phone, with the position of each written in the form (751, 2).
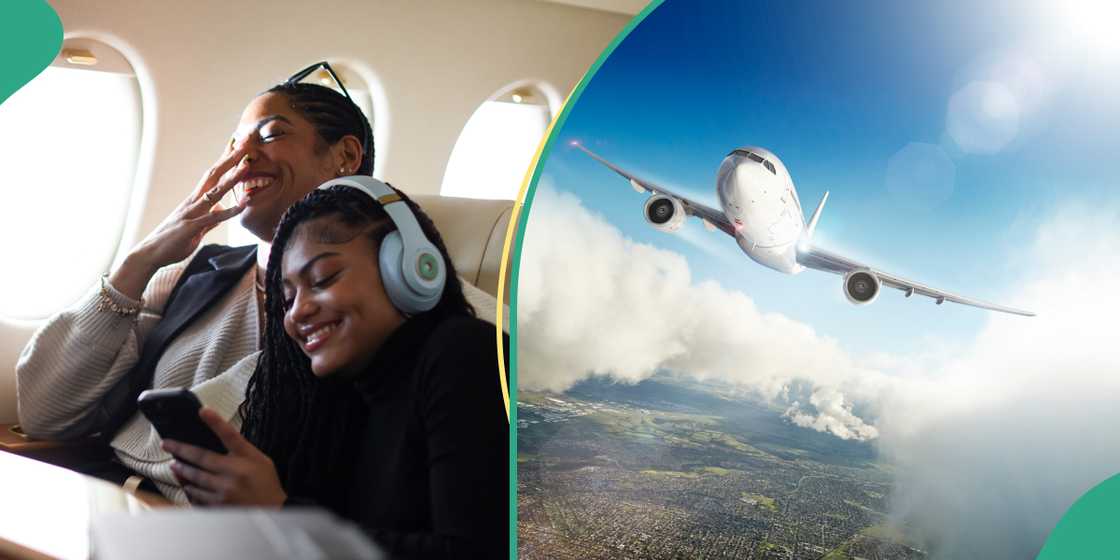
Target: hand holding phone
(240, 475)
(174, 413)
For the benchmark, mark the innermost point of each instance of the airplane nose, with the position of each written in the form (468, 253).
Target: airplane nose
(747, 179)
(741, 181)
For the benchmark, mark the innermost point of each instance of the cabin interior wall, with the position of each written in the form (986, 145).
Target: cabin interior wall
(200, 61)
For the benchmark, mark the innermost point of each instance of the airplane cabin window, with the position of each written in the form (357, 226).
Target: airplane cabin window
(70, 139)
(359, 90)
(497, 144)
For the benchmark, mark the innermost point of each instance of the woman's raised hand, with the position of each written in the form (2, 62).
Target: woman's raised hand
(180, 233)
(245, 476)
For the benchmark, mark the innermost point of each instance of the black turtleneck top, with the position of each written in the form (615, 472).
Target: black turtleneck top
(430, 477)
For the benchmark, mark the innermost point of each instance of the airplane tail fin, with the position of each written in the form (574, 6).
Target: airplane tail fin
(816, 216)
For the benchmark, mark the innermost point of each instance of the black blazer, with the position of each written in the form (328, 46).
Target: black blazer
(214, 271)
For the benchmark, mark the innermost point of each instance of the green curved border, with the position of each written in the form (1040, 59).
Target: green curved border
(1090, 528)
(30, 37)
(522, 221)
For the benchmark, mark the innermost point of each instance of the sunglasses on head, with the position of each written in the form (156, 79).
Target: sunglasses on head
(303, 74)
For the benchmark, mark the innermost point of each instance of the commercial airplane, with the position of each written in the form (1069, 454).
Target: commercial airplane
(761, 211)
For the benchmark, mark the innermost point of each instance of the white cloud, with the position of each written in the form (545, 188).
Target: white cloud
(994, 446)
(834, 415)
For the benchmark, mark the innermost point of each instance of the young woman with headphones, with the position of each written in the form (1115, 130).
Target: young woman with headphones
(377, 392)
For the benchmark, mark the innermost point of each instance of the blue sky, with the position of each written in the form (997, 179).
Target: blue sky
(837, 90)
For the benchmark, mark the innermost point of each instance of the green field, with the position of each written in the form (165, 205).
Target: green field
(761, 501)
(885, 533)
(670, 474)
(839, 553)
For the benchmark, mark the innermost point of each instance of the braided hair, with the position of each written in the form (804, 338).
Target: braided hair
(299, 420)
(332, 114)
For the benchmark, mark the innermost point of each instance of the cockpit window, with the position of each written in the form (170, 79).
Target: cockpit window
(756, 158)
(742, 152)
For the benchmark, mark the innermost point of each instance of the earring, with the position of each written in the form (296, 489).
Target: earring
(342, 171)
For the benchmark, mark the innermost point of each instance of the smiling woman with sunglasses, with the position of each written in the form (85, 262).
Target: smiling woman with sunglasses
(176, 315)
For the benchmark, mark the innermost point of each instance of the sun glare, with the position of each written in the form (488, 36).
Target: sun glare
(1091, 24)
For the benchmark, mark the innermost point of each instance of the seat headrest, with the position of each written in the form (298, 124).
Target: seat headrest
(474, 231)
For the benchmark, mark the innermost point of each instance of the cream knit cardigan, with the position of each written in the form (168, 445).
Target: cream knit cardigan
(70, 364)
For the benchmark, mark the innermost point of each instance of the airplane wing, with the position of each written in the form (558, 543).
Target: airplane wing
(692, 208)
(819, 259)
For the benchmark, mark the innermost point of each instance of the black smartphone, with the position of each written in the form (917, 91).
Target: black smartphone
(174, 413)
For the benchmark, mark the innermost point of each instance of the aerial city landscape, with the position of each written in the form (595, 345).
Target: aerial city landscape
(662, 469)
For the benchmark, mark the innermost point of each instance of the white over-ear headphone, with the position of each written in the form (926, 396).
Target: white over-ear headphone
(411, 266)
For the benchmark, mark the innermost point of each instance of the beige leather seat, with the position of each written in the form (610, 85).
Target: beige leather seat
(474, 232)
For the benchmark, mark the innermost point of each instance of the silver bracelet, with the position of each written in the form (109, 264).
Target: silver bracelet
(106, 303)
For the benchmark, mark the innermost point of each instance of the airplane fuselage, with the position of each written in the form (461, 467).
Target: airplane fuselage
(757, 195)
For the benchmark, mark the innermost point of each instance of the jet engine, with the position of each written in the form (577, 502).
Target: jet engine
(664, 213)
(861, 286)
